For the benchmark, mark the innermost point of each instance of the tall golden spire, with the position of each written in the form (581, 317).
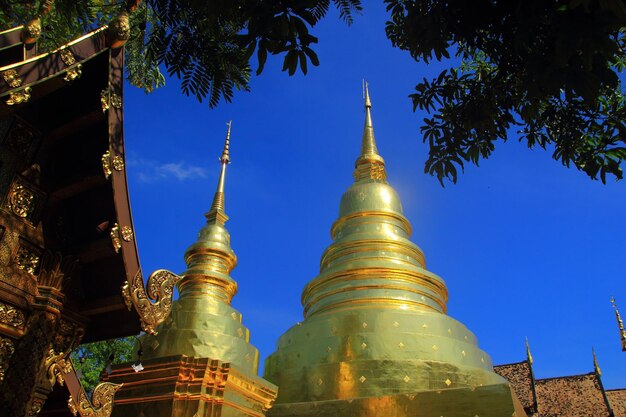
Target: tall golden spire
(620, 325)
(369, 165)
(216, 214)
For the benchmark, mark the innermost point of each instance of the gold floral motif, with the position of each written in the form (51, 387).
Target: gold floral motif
(118, 163)
(119, 30)
(19, 97)
(11, 316)
(127, 234)
(104, 100)
(68, 59)
(35, 407)
(7, 347)
(115, 237)
(116, 101)
(106, 164)
(31, 31)
(21, 200)
(109, 99)
(27, 260)
(12, 78)
(154, 303)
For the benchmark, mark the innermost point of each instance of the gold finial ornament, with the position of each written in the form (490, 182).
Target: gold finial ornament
(528, 355)
(369, 165)
(620, 325)
(596, 367)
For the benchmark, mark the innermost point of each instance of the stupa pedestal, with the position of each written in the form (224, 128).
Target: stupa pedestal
(183, 386)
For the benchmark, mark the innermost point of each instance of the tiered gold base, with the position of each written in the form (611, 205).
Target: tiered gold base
(183, 386)
(486, 401)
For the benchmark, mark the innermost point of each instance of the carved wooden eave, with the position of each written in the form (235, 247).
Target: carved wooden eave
(70, 103)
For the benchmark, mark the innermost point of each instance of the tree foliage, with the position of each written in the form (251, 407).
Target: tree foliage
(91, 359)
(208, 45)
(542, 71)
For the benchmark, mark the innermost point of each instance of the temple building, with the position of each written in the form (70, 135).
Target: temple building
(572, 396)
(375, 339)
(66, 232)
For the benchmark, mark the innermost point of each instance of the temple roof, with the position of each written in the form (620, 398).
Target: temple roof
(521, 378)
(617, 399)
(571, 396)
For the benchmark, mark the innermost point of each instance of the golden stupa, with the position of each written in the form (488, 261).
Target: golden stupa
(199, 362)
(376, 340)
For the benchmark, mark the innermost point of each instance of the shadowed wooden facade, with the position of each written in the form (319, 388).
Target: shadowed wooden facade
(66, 234)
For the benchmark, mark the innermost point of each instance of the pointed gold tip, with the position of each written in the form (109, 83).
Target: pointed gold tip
(596, 367)
(369, 165)
(225, 158)
(528, 355)
(216, 213)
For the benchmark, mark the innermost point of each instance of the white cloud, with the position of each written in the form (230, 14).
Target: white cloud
(148, 170)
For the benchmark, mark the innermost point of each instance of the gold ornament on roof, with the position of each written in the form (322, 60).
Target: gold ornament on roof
(68, 59)
(115, 237)
(60, 370)
(620, 325)
(154, 303)
(12, 78)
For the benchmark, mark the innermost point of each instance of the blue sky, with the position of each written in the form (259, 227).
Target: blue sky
(527, 247)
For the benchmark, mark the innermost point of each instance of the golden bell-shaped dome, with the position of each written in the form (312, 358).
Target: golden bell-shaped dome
(375, 322)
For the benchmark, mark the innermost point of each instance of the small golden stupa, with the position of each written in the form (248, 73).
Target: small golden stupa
(376, 340)
(200, 362)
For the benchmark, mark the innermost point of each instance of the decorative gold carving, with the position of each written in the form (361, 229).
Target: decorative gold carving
(21, 201)
(7, 347)
(27, 260)
(68, 59)
(109, 99)
(101, 404)
(127, 233)
(12, 78)
(104, 100)
(106, 164)
(61, 370)
(57, 365)
(118, 163)
(19, 97)
(115, 237)
(116, 101)
(31, 31)
(119, 30)
(35, 407)
(11, 316)
(159, 289)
